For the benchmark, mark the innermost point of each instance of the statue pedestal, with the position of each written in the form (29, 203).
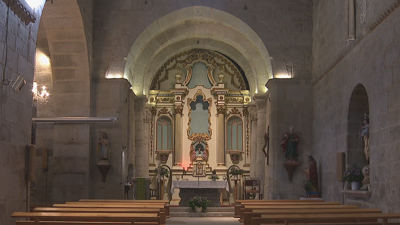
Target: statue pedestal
(290, 167)
(104, 166)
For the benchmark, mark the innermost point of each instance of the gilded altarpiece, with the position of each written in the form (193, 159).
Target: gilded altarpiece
(205, 96)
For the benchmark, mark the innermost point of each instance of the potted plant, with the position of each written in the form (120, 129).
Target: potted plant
(355, 176)
(198, 203)
(213, 176)
(235, 171)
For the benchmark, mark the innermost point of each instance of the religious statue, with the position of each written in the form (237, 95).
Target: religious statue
(290, 145)
(103, 150)
(312, 172)
(266, 144)
(199, 150)
(364, 137)
(366, 180)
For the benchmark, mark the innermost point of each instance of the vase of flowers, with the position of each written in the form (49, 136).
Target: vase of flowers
(213, 176)
(162, 171)
(235, 172)
(199, 202)
(355, 176)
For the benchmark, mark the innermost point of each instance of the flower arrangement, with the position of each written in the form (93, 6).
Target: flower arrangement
(353, 174)
(236, 171)
(213, 176)
(199, 202)
(163, 171)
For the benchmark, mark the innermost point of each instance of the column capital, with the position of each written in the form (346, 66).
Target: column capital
(221, 110)
(178, 110)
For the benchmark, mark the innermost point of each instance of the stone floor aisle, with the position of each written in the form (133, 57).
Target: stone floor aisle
(203, 221)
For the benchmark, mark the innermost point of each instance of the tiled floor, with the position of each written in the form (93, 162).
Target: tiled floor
(203, 221)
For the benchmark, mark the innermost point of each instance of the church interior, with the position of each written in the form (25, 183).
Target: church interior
(134, 99)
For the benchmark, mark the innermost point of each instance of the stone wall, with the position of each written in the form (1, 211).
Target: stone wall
(17, 54)
(373, 62)
(111, 98)
(284, 27)
(290, 106)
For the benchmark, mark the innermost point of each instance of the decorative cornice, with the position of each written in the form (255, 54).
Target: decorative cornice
(22, 11)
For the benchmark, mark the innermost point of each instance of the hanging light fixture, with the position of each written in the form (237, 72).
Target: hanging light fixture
(40, 96)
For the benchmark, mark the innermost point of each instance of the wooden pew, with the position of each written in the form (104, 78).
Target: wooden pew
(123, 203)
(240, 201)
(244, 201)
(258, 212)
(160, 212)
(81, 223)
(120, 200)
(351, 218)
(293, 202)
(279, 207)
(92, 217)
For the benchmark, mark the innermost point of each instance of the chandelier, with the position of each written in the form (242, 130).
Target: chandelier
(39, 96)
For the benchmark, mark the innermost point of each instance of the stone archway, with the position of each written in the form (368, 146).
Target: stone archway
(358, 106)
(67, 43)
(172, 33)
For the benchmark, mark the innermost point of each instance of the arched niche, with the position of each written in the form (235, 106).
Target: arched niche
(358, 106)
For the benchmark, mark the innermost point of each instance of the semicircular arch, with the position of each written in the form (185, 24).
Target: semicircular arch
(159, 40)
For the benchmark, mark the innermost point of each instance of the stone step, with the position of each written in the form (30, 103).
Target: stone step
(209, 212)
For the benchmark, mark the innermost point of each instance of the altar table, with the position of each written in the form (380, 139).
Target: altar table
(190, 189)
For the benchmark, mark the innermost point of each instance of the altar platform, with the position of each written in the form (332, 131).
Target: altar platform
(209, 189)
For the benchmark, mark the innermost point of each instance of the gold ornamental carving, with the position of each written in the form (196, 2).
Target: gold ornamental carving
(190, 57)
(221, 110)
(164, 111)
(235, 111)
(179, 109)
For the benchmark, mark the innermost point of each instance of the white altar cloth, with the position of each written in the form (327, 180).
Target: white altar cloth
(199, 184)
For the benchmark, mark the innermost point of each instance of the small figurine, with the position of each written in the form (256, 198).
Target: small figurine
(290, 145)
(364, 137)
(312, 172)
(103, 149)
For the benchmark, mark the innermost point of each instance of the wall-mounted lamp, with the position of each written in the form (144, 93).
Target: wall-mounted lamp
(16, 85)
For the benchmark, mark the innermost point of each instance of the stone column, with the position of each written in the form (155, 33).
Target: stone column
(253, 139)
(220, 136)
(180, 92)
(261, 103)
(219, 92)
(178, 136)
(141, 160)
